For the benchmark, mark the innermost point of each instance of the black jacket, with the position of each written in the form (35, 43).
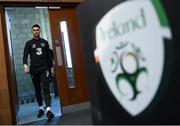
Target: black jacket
(39, 54)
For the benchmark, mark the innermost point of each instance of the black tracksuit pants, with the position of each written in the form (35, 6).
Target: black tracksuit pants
(41, 78)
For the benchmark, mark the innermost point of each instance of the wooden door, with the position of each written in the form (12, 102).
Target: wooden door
(70, 72)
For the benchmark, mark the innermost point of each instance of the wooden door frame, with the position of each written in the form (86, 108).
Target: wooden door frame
(9, 78)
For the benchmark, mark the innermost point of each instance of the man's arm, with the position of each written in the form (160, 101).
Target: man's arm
(52, 58)
(25, 56)
(49, 57)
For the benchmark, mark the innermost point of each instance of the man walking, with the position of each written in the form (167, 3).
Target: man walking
(40, 67)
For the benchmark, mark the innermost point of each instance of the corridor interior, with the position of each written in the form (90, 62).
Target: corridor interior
(19, 21)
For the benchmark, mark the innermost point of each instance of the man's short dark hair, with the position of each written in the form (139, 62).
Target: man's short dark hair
(36, 25)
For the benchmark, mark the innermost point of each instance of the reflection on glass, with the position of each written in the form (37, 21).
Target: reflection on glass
(67, 54)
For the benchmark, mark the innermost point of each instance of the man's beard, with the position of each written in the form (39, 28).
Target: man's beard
(37, 36)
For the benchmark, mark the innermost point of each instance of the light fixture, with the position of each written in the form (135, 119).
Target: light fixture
(41, 7)
(54, 7)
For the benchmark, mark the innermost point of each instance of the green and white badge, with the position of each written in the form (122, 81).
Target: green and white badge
(130, 50)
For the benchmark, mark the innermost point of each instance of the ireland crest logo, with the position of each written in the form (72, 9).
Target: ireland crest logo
(130, 49)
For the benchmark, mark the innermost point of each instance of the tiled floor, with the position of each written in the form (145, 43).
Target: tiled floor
(28, 115)
(28, 112)
(82, 117)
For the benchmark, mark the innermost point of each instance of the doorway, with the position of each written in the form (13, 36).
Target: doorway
(19, 21)
(60, 27)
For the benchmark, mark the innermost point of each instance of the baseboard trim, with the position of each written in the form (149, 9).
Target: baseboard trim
(76, 107)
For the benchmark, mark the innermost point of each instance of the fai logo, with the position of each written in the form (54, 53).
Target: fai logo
(42, 45)
(128, 61)
(130, 49)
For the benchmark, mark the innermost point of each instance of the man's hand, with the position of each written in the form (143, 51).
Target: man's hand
(26, 68)
(52, 71)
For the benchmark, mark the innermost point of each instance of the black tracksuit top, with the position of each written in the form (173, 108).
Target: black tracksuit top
(39, 54)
